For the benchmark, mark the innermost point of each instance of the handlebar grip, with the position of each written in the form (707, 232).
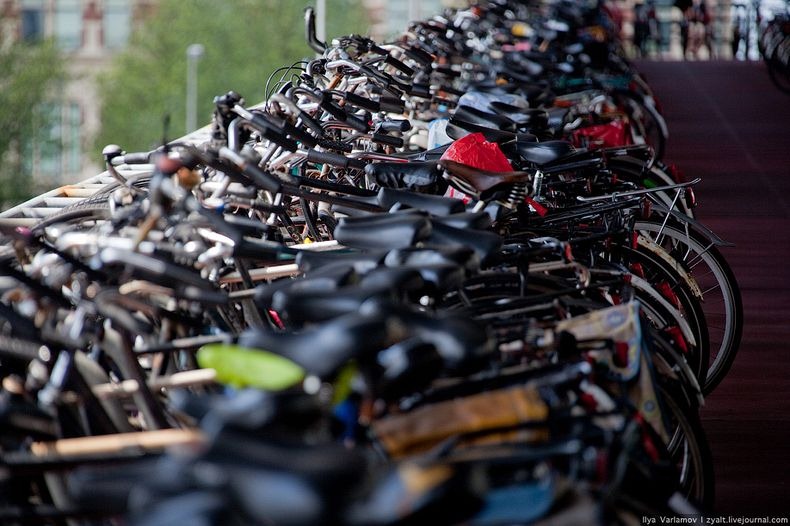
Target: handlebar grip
(451, 90)
(394, 125)
(420, 91)
(135, 158)
(362, 102)
(156, 269)
(261, 123)
(400, 66)
(389, 140)
(333, 109)
(333, 159)
(311, 123)
(392, 105)
(250, 248)
(262, 179)
(358, 124)
(335, 145)
(375, 74)
(342, 115)
(279, 138)
(419, 55)
(447, 70)
(299, 134)
(375, 48)
(213, 297)
(270, 131)
(282, 127)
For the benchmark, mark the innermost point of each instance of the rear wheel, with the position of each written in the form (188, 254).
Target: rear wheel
(721, 297)
(649, 126)
(659, 273)
(688, 447)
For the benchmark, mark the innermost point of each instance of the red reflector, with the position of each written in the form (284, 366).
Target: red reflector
(539, 208)
(647, 208)
(676, 334)
(638, 269)
(676, 173)
(666, 290)
(691, 198)
(276, 319)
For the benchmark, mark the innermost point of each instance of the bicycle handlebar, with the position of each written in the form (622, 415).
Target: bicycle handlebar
(310, 33)
(334, 159)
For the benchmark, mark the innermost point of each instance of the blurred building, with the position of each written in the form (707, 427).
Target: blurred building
(391, 17)
(88, 33)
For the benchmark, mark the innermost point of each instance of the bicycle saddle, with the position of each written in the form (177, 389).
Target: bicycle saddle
(485, 244)
(541, 153)
(318, 261)
(433, 204)
(471, 115)
(537, 94)
(441, 277)
(325, 349)
(463, 344)
(383, 231)
(411, 175)
(458, 129)
(483, 180)
(301, 304)
(467, 220)
(537, 119)
(329, 276)
(462, 256)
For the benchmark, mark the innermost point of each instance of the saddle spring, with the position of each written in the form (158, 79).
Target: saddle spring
(518, 192)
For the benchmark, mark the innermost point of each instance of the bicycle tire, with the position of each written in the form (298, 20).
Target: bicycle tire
(85, 211)
(690, 307)
(724, 340)
(649, 124)
(688, 446)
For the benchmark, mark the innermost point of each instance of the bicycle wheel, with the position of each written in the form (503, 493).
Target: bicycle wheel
(688, 447)
(658, 271)
(721, 297)
(648, 124)
(85, 214)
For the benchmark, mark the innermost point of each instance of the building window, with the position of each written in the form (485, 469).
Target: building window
(54, 156)
(72, 147)
(117, 23)
(48, 148)
(401, 12)
(32, 18)
(68, 24)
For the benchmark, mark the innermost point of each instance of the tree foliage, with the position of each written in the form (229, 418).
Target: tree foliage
(28, 76)
(244, 41)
